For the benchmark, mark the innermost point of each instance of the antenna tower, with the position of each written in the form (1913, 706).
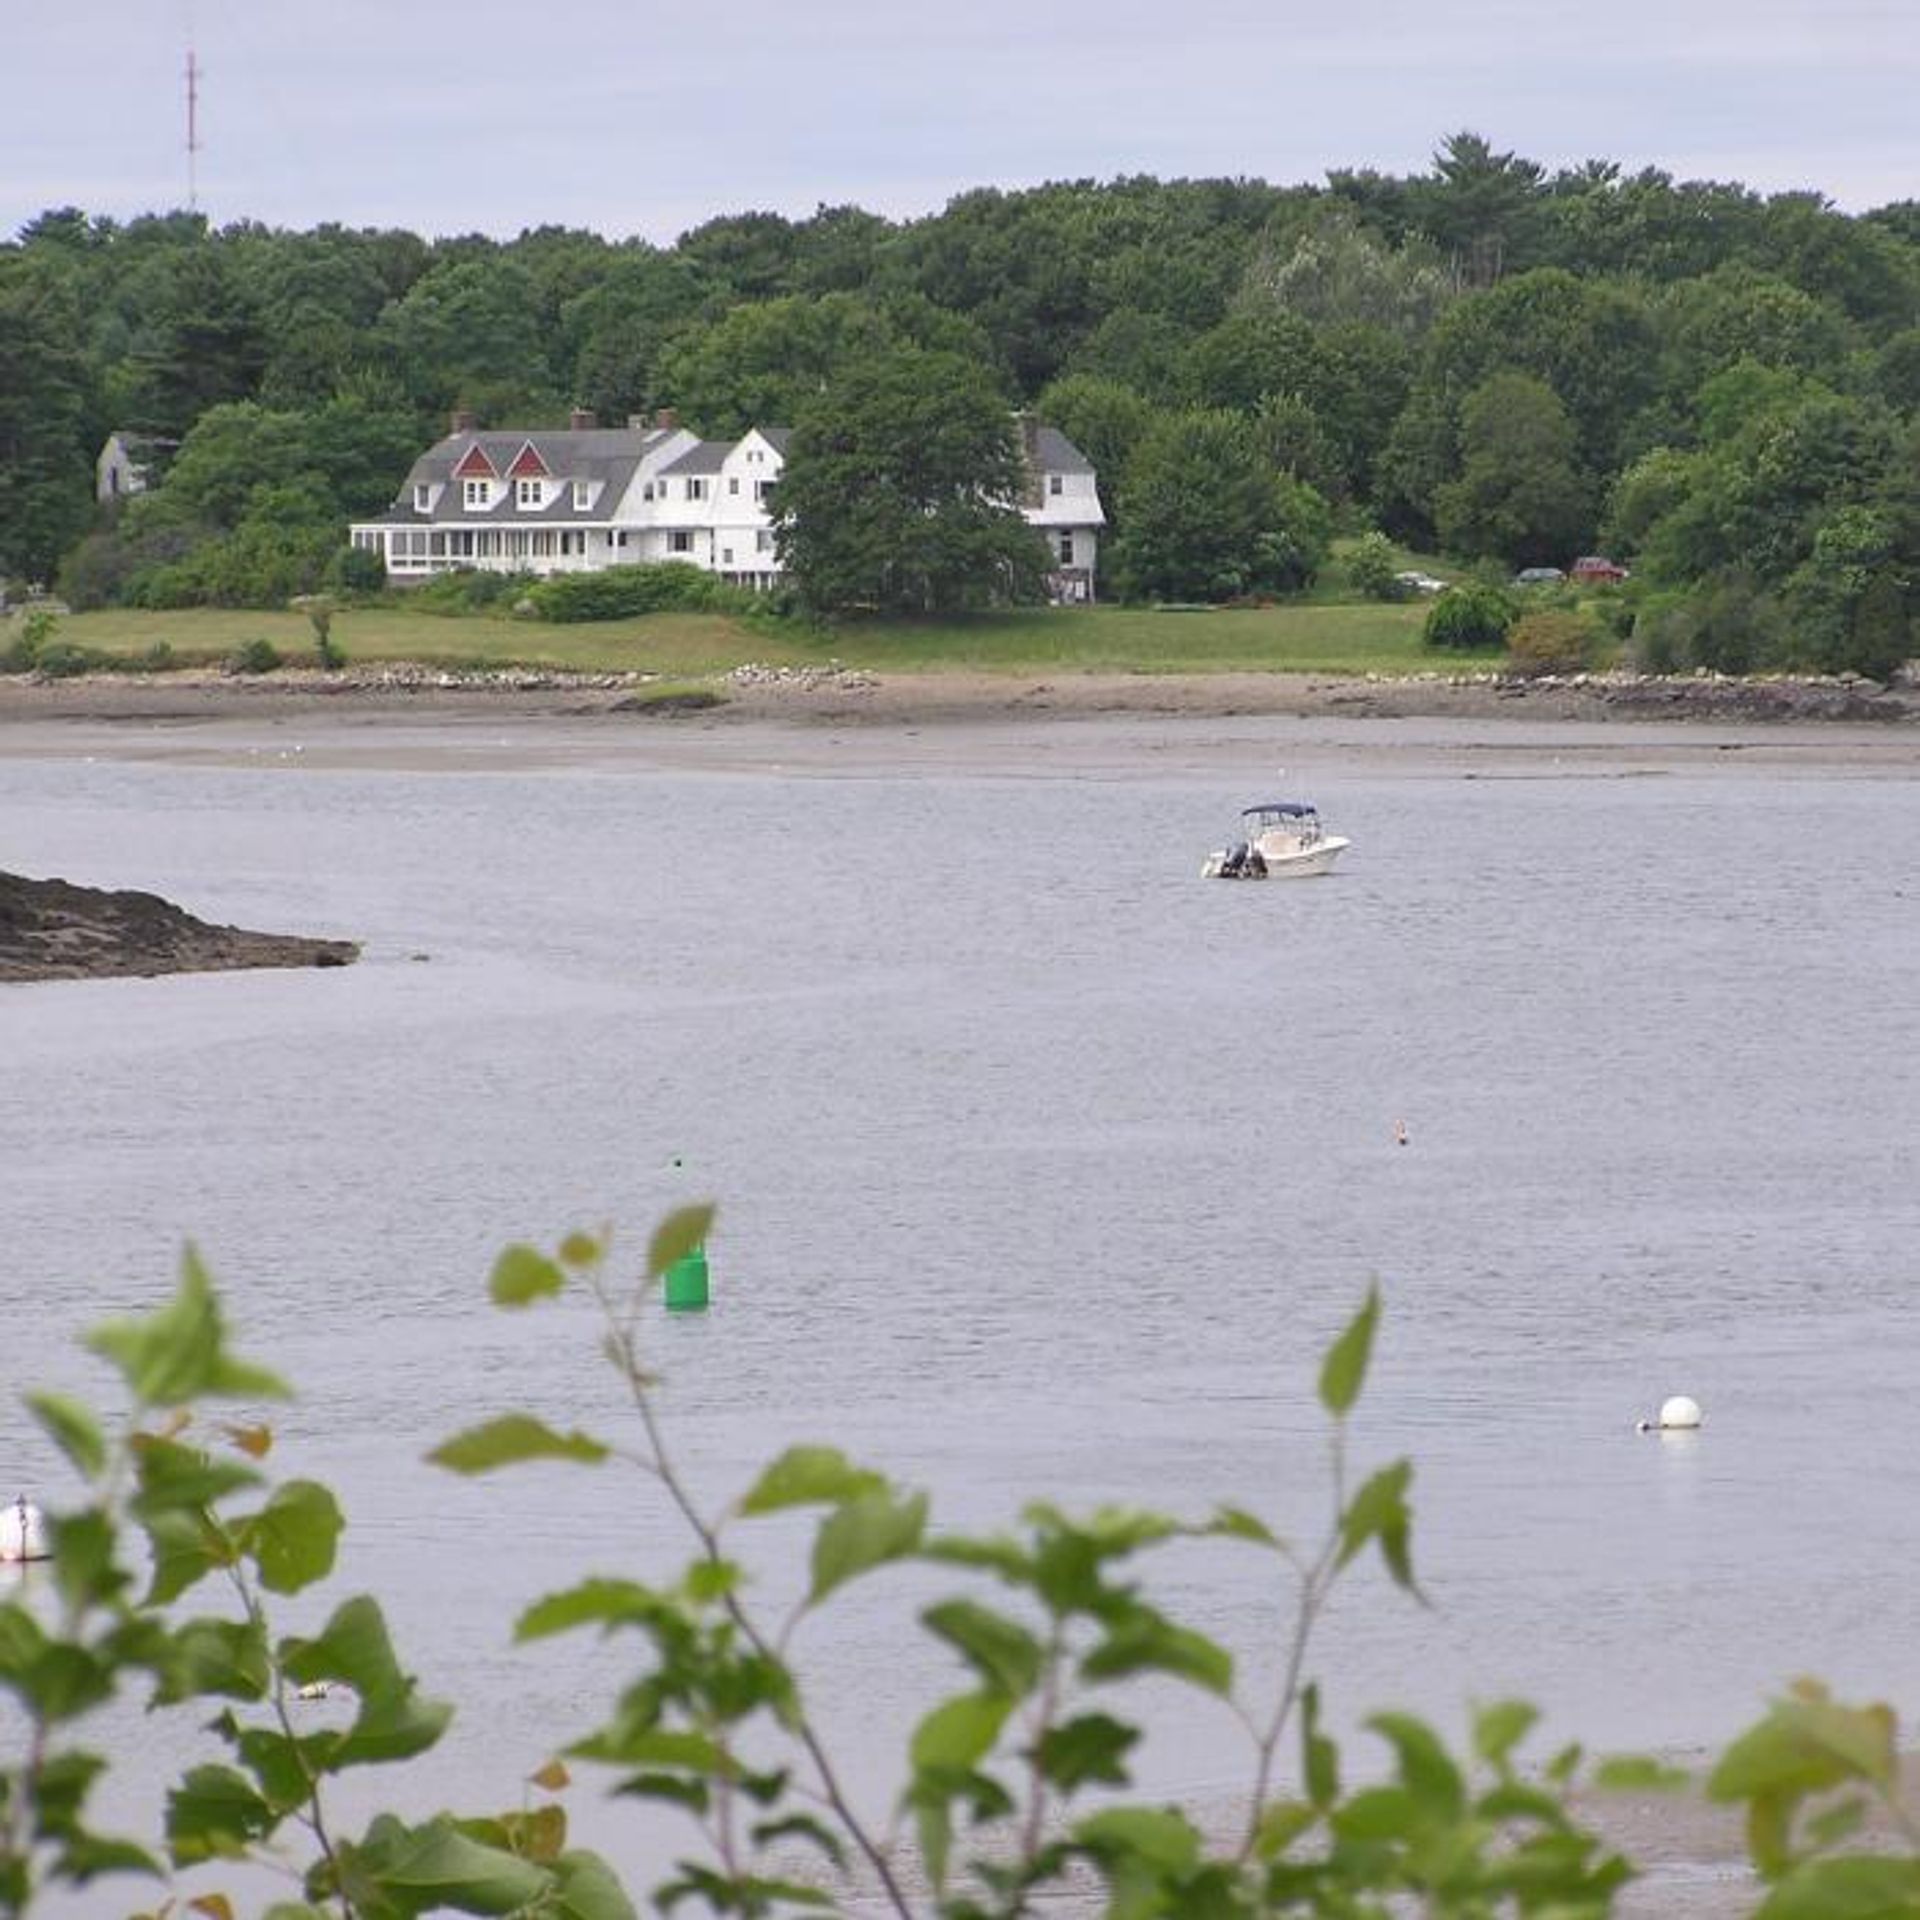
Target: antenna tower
(193, 131)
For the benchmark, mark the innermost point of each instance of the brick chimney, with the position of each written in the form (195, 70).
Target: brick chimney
(666, 419)
(465, 420)
(581, 420)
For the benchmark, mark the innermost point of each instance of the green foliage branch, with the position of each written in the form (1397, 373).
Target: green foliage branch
(1016, 1787)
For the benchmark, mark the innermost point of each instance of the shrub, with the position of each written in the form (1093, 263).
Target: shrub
(61, 660)
(1541, 643)
(256, 656)
(468, 590)
(1370, 570)
(1468, 616)
(622, 593)
(1015, 1785)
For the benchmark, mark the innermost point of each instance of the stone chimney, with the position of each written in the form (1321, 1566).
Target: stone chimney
(465, 420)
(581, 420)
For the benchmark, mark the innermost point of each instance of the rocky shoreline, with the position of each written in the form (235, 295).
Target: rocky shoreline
(54, 930)
(832, 692)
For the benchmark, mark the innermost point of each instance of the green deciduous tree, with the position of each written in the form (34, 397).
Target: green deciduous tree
(1207, 516)
(1519, 496)
(900, 491)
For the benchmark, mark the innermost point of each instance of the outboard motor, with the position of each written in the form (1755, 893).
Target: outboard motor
(1235, 864)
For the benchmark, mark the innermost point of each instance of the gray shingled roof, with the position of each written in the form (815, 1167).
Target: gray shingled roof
(1053, 452)
(706, 456)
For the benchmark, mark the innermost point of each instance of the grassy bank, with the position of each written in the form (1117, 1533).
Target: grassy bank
(1339, 639)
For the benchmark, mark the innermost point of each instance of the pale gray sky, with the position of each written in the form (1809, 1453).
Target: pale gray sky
(455, 116)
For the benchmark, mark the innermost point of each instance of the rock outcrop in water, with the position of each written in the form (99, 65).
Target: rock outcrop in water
(53, 930)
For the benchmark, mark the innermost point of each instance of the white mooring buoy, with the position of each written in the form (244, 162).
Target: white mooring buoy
(1679, 1414)
(23, 1531)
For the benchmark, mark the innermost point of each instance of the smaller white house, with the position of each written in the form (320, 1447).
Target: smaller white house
(587, 497)
(125, 465)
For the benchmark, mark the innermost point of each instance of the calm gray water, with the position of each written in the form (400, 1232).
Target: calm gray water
(1043, 1168)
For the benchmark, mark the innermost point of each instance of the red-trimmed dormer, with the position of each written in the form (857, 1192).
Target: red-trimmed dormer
(527, 464)
(475, 465)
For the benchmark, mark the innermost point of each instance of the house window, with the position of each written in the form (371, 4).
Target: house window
(680, 540)
(582, 495)
(646, 492)
(1055, 485)
(620, 539)
(527, 493)
(733, 483)
(422, 496)
(477, 493)
(760, 489)
(726, 556)
(696, 489)
(1066, 549)
(763, 541)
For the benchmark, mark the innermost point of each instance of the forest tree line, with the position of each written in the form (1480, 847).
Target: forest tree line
(1487, 360)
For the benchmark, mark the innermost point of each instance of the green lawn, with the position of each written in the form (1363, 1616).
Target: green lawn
(1352, 638)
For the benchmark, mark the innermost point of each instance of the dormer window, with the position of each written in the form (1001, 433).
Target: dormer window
(582, 495)
(476, 493)
(422, 497)
(530, 493)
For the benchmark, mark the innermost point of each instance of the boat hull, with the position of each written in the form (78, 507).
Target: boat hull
(1301, 863)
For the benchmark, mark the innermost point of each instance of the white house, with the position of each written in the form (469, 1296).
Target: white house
(125, 465)
(587, 497)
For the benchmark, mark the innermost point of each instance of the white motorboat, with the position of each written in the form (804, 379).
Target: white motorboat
(1279, 840)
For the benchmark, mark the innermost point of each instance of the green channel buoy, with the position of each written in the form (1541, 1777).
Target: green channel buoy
(686, 1282)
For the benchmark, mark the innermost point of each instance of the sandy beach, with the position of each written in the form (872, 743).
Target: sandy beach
(829, 717)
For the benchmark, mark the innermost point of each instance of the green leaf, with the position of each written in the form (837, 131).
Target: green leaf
(393, 1721)
(215, 1657)
(959, 1733)
(176, 1478)
(1499, 1728)
(1639, 1773)
(184, 1549)
(593, 1603)
(511, 1439)
(1427, 1770)
(999, 1649)
(73, 1429)
(588, 1889)
(677, 1236)
(178, 1353)
(84, 1567)
(1854, 1887)
(1379, 1512)
(1235, 1523)
(862, 1534)
(293, 1538)
(215, 1814)
(522, 1275)
(582, 1250)
(1344, 1370)
(439, 1861)
(1143, 1641)
(655, 1747)
(1319, 1756)
(1282, 1822)
(1161, 1836)
(810, 1476)
(1087, 1750)
(1377, 1813)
